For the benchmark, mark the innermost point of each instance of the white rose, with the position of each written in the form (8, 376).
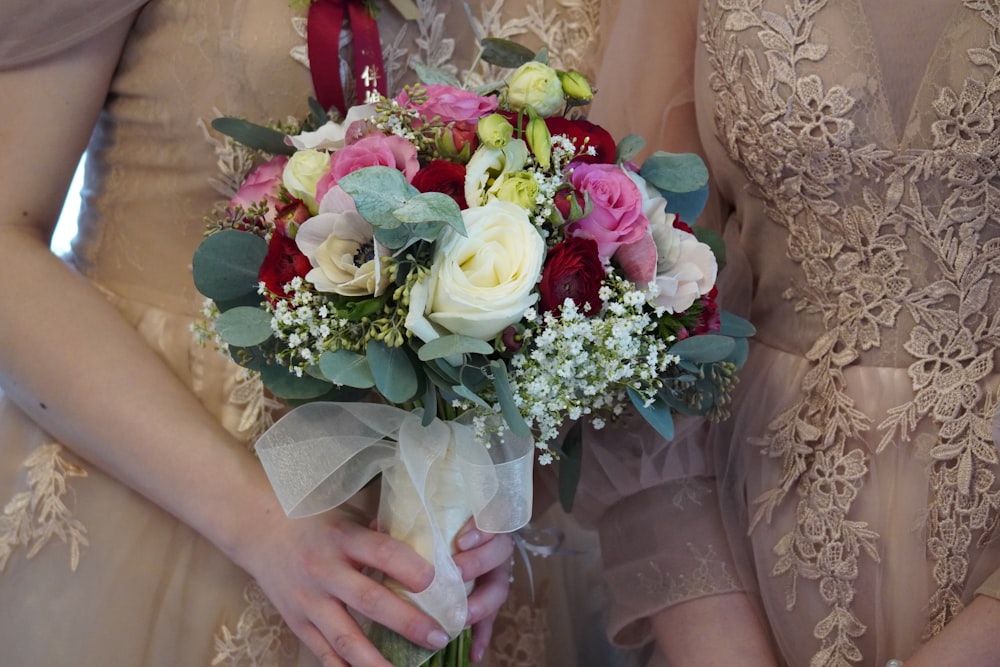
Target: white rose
(487, 167)
(536, 85)
(690, 276)
(303, 171)
(342, 250)
(481, 283)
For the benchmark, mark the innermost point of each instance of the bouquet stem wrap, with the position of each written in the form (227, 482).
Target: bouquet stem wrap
(434, 478)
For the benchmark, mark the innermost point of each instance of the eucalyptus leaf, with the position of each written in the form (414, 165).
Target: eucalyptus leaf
(284, 384)
(430, 404)
(474, 377)
(570, 464)
(377, 192)
(394, 372)
(676, 404)
(348, 368)
(657, 414)
(628, 147)
(254, 136)
(244, 326)
(470, 395)
(735, 326)
(683, 180)
(446, 346)
(226, 265)
(453, 373)
(432, 207)
(511, 414)
(704, 349)
(505, 53)
(435, 75)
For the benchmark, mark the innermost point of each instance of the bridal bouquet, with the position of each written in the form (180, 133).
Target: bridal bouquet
(445, 278)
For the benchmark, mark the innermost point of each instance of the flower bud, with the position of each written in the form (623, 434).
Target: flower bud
(495, 130)
(538, 137)
(535, 85)
(575, 86)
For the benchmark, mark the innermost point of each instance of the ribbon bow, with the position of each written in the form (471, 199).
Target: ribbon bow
(320, 454)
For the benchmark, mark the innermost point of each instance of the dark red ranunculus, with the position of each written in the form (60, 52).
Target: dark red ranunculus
(445, 177)
(584, 133)
(573, 269)
(291, 211)
(283, 262)
(708, 320)
(683, 226)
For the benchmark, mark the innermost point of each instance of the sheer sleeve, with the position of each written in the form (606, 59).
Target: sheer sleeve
(655, 503)
(33, 30)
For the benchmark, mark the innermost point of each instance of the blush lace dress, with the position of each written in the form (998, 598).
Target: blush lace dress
(90, 572)
(854, 149)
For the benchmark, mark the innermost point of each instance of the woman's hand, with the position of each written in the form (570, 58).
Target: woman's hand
(311, 570)
(484, 558)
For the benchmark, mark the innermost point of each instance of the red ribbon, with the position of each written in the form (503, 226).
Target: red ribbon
(325, 22)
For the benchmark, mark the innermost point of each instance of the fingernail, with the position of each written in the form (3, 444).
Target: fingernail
(477, 654)
(438, 639)
(468, 540)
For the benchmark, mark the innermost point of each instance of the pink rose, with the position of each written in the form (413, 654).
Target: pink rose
(263, 184)
(616, 217)
(451, 104)
(376, 150)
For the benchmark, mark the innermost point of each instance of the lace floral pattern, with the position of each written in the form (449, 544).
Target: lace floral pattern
(33, 517)
(795, 136)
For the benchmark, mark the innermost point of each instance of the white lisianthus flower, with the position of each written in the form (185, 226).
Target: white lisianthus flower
(331, 135)
(537, 85)
(661, 223)
(487, 168)
(691, 275)
(481, 283)
(341, 247)
(302, 173)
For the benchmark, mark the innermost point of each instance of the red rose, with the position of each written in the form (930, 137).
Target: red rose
(444, 177)
(574, 270)
(283, 262)
(583, 133)
(683, 226)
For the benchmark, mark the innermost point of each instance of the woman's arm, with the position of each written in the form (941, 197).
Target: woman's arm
(714, 631)
(968, 639)
(75, 366)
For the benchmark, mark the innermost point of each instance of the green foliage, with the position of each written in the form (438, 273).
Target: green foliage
(505, 53)
(347, 368)
(244, 326)
(704, 349)
(255, 136)
(227, 263)
(394, 372)
(511, 413)
(657, 414)
(570, 464)
(451, 345)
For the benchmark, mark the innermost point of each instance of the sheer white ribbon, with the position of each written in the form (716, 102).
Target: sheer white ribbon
(433, 479)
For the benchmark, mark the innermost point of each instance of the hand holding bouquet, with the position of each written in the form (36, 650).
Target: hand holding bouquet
(486, 266)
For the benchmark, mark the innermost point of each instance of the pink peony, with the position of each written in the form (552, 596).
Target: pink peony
(263, 184)
(451, 104)
(371, 151)
(616, 217)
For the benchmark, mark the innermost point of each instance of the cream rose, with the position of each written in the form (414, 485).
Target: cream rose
(302, 172)
(480, 283)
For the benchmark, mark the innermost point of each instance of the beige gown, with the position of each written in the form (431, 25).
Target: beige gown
(91, 574)
(854, 149)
